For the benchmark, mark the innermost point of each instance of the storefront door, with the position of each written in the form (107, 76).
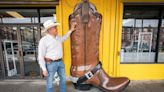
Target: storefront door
(19, 48)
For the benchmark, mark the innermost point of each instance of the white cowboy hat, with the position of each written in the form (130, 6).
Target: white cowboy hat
(49, 23)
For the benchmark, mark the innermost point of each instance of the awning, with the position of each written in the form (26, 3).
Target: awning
(28, 3)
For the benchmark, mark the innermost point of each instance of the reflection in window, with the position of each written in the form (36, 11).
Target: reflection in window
(46, 14)
(139, 34)
(27, 23)
(161, 44)
(18, 16)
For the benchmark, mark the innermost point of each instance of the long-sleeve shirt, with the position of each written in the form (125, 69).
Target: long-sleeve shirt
(51, 47)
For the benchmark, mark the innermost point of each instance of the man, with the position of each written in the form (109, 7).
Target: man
(50, 55)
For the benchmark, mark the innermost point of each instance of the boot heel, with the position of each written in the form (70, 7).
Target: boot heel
(83, 87)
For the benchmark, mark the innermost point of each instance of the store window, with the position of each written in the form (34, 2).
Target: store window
(46, 14)
(161, 43)
(140, 33)
(18, 16)
(20, 31)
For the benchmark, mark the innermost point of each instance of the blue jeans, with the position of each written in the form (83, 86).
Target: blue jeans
(52, 68)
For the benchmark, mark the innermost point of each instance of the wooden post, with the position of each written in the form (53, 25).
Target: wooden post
(2, 59)
(20, 52)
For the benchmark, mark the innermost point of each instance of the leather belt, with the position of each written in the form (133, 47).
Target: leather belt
(89, 74)
(48, 60)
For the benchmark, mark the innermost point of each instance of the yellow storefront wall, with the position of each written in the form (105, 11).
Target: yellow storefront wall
(110, 40)
(143, 1)
(142, 71)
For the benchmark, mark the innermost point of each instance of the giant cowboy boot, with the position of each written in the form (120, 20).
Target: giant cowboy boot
(86, 69)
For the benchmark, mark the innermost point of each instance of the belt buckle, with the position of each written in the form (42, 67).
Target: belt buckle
(48, 62)
(89, 75)
(57, 60)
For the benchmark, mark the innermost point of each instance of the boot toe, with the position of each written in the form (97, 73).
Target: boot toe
(118, 84)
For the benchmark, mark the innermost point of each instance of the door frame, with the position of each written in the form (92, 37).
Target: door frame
(10, 72)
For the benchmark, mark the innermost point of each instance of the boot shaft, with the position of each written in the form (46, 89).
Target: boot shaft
(85, 40)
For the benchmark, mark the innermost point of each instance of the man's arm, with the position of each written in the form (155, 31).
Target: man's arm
(63, 38)
(41, 54)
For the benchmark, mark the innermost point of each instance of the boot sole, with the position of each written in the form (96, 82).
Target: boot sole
(82, 87)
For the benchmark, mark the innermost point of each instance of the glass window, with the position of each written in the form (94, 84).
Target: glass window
(161, 43)
(18, 16)
(139, 34)
(21, 21)
(47, 14)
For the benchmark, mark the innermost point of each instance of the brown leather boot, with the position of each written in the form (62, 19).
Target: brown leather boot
(86, 69)
(107, 83)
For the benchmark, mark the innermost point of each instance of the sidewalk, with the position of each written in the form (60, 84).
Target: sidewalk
(38, 85)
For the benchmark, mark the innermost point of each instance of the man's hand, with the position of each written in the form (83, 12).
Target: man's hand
(73, 26)
(45, 73)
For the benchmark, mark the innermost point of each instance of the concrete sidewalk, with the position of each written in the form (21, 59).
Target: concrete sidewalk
(38, 85)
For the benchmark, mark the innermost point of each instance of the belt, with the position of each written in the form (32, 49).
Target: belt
(48, 60)
(87, 75)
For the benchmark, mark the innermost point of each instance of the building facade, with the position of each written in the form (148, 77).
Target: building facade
(131, 37)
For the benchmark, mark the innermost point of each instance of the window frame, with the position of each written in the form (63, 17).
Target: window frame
(160, 18)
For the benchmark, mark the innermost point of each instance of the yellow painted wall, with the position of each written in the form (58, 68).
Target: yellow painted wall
(110, 40)
(142, 71)
(142, 1)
